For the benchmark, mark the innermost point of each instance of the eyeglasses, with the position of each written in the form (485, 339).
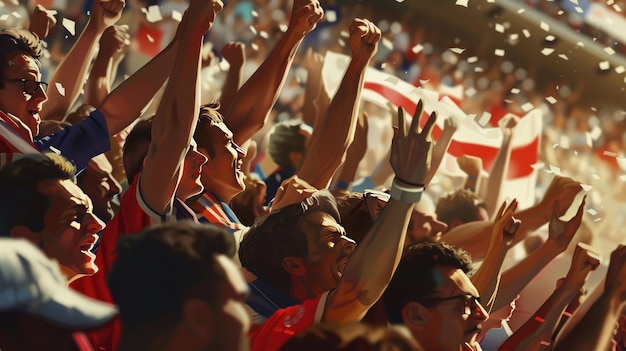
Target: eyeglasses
(30, 86)
(470, 302)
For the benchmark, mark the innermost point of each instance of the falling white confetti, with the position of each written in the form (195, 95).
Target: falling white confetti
(499, 52)
(551, 100)
(555, 146)
(52, 12)
(515, 91)
(550, 38)
(254, 46)
(596, 132)
(564, 142)
(609, 153)
(387, 43)
(527, 107)
(253, 29)
(417, 48)
(424, 81)
(499, 28)
(462, 2)
(556, 170)
(400, 1)
(484, 119)
(604, 65)
(331, 16)
(579, 9)
(469, 92)
(16, 14)
(597, 219)
(154, 14)
(575, 2)
(538, 165)
(254, 13)
(472, 59)
(69, 25)
(547, 51)
(580, 44)
(560, 12)
(564, 57)
(457, 50)
(480, 69)
(595, 177)
(341, 42)
(150, 38)
(609, 50)
(283, 27)
(617, 8)
(263, 34)
(383, 65)
(592, 212)
(544, 26)
(4, 17)
(526, 33)
(177, 16)
(514, 37)
(620, 69)
(586, 187)
(60, 88)
(520, 11)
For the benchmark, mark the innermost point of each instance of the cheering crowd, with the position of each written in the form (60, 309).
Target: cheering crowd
(189, 182)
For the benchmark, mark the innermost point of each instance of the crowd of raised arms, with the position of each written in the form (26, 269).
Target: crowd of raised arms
(190, 182)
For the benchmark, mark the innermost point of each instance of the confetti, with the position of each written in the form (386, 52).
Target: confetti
(526, 33)
(597, 219)
(331, 16)
(560, 12)
(263, 34)
(417, 48)
(177, 16)
(16, 14)
(515, 91)
(544, 26)
(596, 132)
(254, 13)
(586, 187)
(556, 170)
(547, 51)
(550, 38)
(60, 88)
(564, 57)
(620, 69)
(499, 28)
(469, 92)
(595, 177)
(484, 119)
(387, 43)
(579, 9)
(480, 69)
(609, 153)
(538, 165)
(609, 50)
(461, 2)
(69, 25)
(154, 14)
(283, 27)
(564, 142)
(424, 81)
(254, 46)
(575, 2)
(150, 38)
(472, 59)
(527, 107)
(551, 100)
(514, 37)
(617, 8)
(604, 65)
(499, 52)
(52, 12)
(253, 29)
(457, 50)
(580, 44)
(4, 17)
(520, 11)
(400, 1)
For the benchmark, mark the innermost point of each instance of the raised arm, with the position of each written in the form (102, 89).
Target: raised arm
(98, 84)
(71, 72)
(372, 265)
(316, 99)
(253, 102)
(41, 22)
(487, 277)
(560, 234)
(539, 328)
(235, 54)
(334, 132)
(595, 330)
(177, 115)
(354, 155)
(472, 166)
(450, 126)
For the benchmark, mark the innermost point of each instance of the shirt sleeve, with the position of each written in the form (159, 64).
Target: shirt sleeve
(81, 142)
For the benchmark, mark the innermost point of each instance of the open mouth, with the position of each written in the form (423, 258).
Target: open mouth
(341, 266)
(88, 244)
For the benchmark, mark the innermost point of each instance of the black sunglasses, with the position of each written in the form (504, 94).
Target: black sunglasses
(30, 86)
(469, 301)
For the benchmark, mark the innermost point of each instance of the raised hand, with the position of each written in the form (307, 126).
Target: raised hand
(305, 16)
(411, 150)
(563, 190)
(364, 38)
(450, 125)
(292, 190)
(202, 14)
(41, 22)
(615, 283)
(505, 225)
(106, 13)
(234, 53)
(114, 39)
(471, 165)
(561, 232)
(584, 260)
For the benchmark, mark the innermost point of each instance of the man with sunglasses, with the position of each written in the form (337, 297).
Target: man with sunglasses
(431, 294)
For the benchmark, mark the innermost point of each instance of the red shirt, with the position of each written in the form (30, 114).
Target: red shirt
(287, 322)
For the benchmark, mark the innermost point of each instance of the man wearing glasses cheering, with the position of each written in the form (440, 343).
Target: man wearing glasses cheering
(431, 294)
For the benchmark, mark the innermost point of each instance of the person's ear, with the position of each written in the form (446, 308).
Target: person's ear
(295, 157)
(22, 231)
(199, 320)
(414, 315)
(294, 265)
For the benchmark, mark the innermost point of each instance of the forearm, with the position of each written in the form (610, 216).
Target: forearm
(595, 330)
(312, 90)
(497, 176)
(487, 277)
(70, 74)
(472, 237)
(334, 132)
(98, 84)
(542, 324)
(517, 277)
(371, 266)
(251, 105)
(439, 151)
(230, 87)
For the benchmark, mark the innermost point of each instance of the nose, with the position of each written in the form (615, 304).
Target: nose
(94, 224)
(40, 95)
(480, 312)
(114, 187)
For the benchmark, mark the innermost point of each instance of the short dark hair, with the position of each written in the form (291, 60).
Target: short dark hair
(284, 138)
(415, 276)
(136, 147)
(15, 39)
(277, 235)
(209, 115)
(461, 204)
(21, 202)
(160, 268)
